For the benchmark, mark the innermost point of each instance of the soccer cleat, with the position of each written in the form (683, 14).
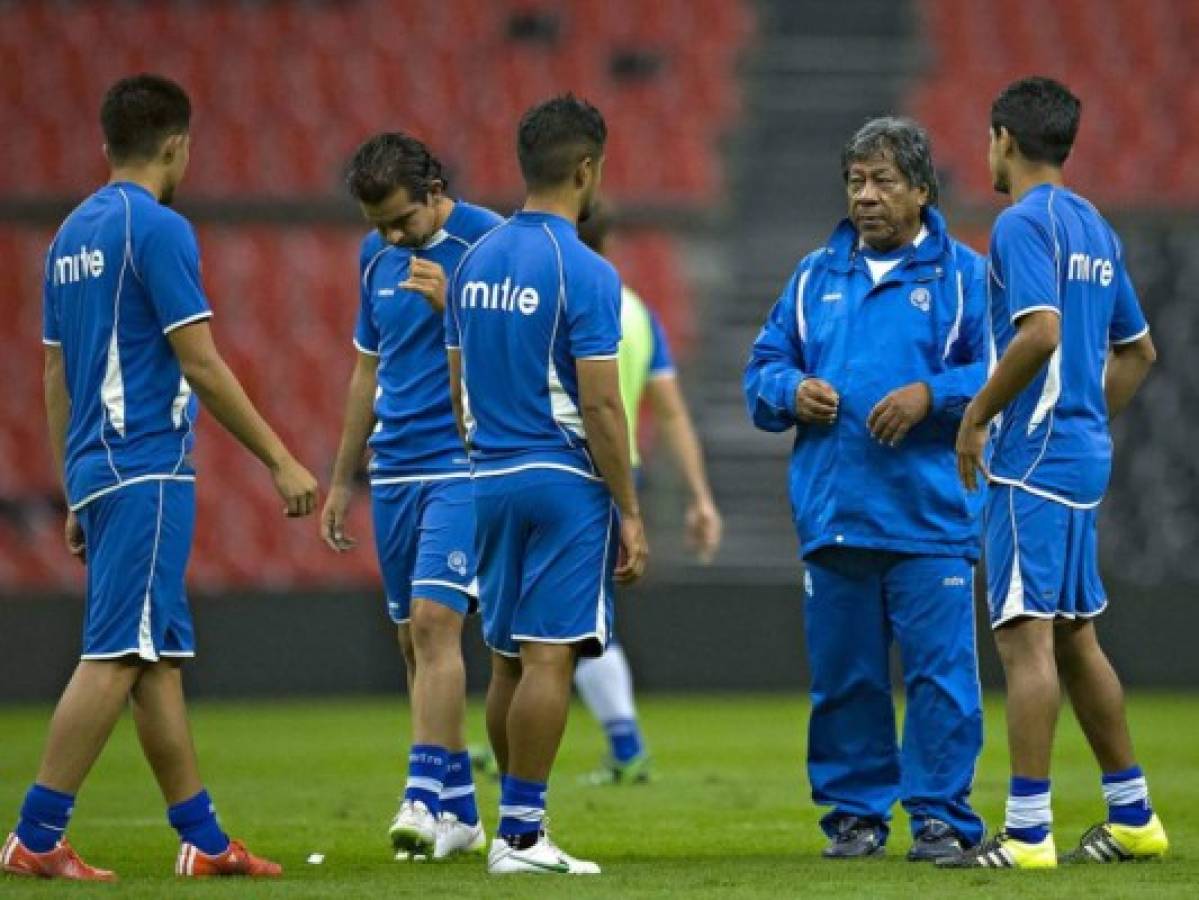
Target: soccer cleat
(855, 839)
(1112, 843)
(543, 858)
(455, 836)
(935, 840)
(61, 862)
(636, 771)
(192, 862)
(413, 832)
(1004, 852)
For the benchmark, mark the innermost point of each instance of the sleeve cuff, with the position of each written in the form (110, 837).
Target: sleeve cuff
(365, 350)
(51, 343)
(198, 317)
(1043, 307)
(1117, 342)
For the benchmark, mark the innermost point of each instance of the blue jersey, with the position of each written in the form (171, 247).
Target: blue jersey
(1053, 251)
(121, 274)
(527, 302)
(415, 435)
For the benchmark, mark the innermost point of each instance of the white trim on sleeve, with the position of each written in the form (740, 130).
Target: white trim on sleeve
(1129, 340)
(198, 317)
(362, 349)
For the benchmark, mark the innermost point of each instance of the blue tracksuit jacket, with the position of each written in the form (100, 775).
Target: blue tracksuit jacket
(924, 321)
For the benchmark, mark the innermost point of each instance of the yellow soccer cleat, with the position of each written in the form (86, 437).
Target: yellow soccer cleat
(1002, 851)
(1112, 843)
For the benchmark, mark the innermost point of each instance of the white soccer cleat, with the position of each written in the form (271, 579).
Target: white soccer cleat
(454, 837)
(413, 832)
(543, 858)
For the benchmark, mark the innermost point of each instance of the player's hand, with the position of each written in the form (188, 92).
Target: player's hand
(333, 519)
(76, 543)
(972, 441)
(634, 551)
(296, 486)
(704, 529)
(427, 278)
(816, 402)
(899, 412)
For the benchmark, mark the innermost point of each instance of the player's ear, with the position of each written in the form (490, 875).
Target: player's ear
(172, 148)
(584, 172)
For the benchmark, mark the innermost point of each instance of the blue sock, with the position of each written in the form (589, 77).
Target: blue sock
(44, 817)
(522, 807)
(624, 739)
(426, 775)
(458, 794)
(195, 820)
(1028, 816)
(1127, 796)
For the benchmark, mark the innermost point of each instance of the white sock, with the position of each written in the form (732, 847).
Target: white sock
(606, 685)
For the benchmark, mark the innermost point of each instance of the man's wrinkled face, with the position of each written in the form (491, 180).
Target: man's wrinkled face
(402, 220)
(883, 205)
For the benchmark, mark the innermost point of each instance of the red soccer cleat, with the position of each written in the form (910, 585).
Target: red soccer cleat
(236, 860)
(61, 862)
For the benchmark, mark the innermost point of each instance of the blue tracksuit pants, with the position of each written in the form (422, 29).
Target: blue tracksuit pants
(857, 602)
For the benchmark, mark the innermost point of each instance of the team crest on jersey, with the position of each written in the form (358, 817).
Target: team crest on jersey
(457, 562)
(921, 299)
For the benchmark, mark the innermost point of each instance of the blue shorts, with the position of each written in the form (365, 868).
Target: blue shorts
(425, 538)
(1042, 558)
(547, 549)
(138, 540)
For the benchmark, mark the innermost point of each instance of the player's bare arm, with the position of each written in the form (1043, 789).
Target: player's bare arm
(608, 439)
(58, 415)
(703, 522)
(223, 396)
(355, 430)
(427, 278)
(1037, 336)
(1127, 366)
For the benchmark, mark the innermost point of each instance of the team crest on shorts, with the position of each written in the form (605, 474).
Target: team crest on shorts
(457, 562)
(921, 298)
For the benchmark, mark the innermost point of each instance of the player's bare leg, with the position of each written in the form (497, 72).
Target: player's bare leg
(90, 706)
(1033, 693)
(160, 714)
(440, 678)
(537, 717)
(404, 639)
(1095, 693)
(505, 677)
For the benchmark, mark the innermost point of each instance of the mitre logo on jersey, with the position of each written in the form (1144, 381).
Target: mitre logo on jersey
(1083, 267)
(921, 299)
(78, 266)
(503, 296)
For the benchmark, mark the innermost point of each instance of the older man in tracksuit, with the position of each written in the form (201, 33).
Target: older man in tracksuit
(871, 353)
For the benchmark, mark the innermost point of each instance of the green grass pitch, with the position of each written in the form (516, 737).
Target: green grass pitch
(728, 817)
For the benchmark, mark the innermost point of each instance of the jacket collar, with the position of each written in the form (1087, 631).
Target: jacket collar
(841, 251)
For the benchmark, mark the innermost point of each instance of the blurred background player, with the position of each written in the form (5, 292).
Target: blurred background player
(1073, 349)
(871, 354)
(128, 350)
(421, 498)
(532, 327)
(646, 369)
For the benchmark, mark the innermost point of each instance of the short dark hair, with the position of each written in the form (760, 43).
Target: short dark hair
(389, 161)
(555, 135)
(905, 142)
(1042, 115)
(139, 113)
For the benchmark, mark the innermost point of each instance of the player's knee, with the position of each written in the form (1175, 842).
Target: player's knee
(434, 628)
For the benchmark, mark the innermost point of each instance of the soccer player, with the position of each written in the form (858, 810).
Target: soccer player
(128, 351)
(646, 369)
(421, 497)
(870, 354)
(1074, 348)
(532, 327)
